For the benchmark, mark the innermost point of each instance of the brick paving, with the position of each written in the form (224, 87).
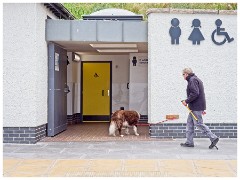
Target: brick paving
(98, 132)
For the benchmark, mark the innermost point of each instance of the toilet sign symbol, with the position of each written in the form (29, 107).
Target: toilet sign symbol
(175, 31)
(196, 36)
(134, 61)
(220, 32)
(96, 75)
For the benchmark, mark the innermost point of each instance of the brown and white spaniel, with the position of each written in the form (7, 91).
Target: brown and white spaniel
(124, 118)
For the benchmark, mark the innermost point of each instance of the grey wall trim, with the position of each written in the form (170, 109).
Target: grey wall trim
(96, 31)
(78, 33)
(143, 119)
(109, 31)
(58, 30)
(178, 130)
(74, 119)
(135, 31)
(24, 135)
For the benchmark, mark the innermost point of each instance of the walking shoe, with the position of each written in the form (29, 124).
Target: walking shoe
(186, 145)
(215, 141)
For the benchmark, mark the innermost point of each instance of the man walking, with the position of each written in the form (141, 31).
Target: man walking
(197, 103)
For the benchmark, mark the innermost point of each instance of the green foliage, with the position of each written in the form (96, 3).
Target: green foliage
(79, 9)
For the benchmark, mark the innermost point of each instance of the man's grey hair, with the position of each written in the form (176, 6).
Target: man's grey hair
(187, 71)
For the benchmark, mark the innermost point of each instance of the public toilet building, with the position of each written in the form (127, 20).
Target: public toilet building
(58, 70)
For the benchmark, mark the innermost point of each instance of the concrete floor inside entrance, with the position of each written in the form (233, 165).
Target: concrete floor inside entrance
(96, 132)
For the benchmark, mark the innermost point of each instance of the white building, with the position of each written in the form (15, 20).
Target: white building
(37, 46)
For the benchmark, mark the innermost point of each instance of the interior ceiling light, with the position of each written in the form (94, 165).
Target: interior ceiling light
(117, 50)
(114, 45)
(76, 58)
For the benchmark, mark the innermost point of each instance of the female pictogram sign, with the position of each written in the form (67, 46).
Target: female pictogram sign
(196, 36)
(220, 31)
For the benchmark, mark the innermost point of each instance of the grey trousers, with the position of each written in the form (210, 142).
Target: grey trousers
(191, 122)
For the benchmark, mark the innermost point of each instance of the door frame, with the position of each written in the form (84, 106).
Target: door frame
(101, 118)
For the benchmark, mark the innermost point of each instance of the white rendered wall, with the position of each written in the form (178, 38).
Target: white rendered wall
(73, 81)
(138, 87)
(25, 65)
(215, 65)
(120, 78)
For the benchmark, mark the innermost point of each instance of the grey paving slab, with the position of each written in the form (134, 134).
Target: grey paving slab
(19, 155)
(123, 150)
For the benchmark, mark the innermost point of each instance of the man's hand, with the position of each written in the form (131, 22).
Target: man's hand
(184, 103)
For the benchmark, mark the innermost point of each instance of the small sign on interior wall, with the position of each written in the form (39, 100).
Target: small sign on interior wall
(143, 61)
(134, 61)
(56, 62)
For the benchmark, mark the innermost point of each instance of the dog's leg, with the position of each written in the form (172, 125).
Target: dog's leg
(125, 124)
(120, 133)
(135, 130)
(112, 129)
(127, 130)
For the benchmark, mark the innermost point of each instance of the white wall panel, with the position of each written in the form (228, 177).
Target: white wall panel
(215, 65)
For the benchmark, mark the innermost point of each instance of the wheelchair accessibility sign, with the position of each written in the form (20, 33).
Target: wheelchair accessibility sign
(220, 32)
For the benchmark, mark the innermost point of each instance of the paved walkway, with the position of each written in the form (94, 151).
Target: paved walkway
(96, 132)
(121, 158)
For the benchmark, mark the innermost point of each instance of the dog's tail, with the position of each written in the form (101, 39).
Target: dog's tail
(139, 115)
(112, 128)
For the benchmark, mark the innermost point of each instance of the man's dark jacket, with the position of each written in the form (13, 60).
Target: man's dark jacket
(195, 93)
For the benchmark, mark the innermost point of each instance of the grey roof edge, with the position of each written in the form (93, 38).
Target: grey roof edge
(191, 11)
(113, 17)
(59, 10)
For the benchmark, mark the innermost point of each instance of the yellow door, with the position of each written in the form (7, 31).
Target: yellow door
(96, 87)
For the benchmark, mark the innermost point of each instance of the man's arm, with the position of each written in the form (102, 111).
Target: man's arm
(194, 91)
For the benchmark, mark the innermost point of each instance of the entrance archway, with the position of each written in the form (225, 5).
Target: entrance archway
(95, 39)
